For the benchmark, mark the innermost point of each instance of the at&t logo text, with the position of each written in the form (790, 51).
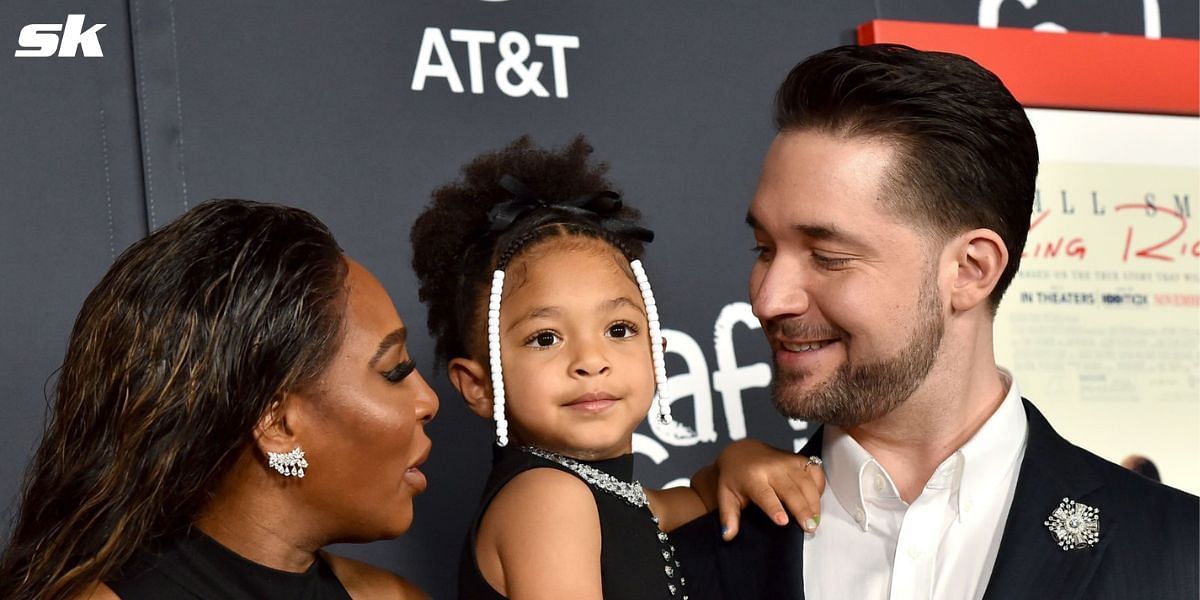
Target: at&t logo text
(41, 40)
(515, 75)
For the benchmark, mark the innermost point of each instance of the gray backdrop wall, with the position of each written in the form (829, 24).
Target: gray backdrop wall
(357, 110)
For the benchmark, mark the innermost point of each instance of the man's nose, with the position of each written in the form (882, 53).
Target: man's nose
(779, 289)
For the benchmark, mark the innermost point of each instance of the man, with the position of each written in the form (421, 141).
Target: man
(890, 218)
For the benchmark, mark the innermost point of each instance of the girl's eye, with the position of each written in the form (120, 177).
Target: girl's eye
(402, 370)
(621, 330)
(542, 339)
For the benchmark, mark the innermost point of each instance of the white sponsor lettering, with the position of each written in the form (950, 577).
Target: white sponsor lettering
(516, 74)
(730, 380)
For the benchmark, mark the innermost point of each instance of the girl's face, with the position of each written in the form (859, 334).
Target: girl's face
(575, 349)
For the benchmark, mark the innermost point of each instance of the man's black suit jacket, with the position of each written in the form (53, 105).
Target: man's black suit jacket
(1149, 544)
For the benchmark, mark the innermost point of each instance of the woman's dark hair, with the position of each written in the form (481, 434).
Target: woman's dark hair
(969, 158)
(176, 354)
(455, 248)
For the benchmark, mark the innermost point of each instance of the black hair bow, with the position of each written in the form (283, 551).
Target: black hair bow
(601, 208)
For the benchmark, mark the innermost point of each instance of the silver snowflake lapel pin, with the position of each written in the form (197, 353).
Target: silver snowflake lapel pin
(1074, 525)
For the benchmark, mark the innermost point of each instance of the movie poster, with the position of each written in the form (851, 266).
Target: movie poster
(1102, 323)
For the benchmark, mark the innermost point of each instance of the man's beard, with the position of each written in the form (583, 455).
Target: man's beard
(864, 393)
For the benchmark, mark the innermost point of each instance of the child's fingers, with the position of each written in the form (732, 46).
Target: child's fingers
(799, 500)
(729, 510)
(816, 473)
(767, 500)
(804, 501)
(811, 480)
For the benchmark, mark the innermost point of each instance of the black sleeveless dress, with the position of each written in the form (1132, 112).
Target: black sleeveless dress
(194, 566)
(636, 559)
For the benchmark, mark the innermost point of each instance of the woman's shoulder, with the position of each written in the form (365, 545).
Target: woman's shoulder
(368, 582)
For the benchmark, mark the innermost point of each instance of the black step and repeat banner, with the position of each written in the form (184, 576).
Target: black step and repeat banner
(118, 116)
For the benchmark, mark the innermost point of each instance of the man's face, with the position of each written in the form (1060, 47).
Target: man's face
(847, 293)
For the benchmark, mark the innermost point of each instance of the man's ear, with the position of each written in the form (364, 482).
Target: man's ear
(472, 381)
(980, 257)
(272, 432)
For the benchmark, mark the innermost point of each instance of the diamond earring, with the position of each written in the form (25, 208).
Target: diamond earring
(289, 464)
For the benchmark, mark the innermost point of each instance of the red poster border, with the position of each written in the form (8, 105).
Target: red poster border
(1089, 71)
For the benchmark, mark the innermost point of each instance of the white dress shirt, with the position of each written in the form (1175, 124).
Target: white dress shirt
(873, 545)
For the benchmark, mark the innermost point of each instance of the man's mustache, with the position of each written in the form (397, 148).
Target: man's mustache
(796, 328)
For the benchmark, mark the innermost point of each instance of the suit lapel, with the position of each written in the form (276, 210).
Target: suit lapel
(1029, 564)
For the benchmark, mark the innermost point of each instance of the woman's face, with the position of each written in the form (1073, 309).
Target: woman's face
(361, 424)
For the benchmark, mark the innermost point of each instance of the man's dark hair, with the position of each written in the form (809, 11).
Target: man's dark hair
(967, 154)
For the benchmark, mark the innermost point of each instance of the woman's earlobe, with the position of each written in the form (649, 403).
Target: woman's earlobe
(472, 381)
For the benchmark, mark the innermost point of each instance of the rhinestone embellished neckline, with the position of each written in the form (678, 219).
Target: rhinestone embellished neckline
(633, 494)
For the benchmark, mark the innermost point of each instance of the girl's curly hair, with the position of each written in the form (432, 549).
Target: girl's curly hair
(454, 253)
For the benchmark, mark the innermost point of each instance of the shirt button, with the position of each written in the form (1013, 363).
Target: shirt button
(879, 483)
(967, 505)
(859, 515)
(914, 553)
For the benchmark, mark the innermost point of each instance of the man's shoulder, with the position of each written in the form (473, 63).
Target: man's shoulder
(1155, 499)
(1138, 498)
(1111, 474)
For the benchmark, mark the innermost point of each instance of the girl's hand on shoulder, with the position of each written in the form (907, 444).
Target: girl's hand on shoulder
(778, 482)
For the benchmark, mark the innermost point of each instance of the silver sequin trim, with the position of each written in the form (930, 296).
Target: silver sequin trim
(633, 493)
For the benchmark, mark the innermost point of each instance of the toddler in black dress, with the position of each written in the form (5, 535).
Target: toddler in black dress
(567, 370)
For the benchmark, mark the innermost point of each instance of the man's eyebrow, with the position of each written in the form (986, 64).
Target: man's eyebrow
(394, 338)
(820, 232)
(829, 233)
(825, 232)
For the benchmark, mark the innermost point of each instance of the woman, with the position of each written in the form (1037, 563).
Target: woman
(236, 395)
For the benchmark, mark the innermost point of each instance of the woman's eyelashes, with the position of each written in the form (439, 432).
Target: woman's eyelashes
(400, 371)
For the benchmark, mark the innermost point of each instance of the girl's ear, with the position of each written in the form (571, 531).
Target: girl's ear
(473, 382)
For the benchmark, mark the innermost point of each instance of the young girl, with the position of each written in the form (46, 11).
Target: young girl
(548, 325)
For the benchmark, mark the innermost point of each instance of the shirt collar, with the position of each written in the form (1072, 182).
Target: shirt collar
(970, 472)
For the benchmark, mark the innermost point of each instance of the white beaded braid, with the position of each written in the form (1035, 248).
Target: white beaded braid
(493, 329)
(656, 346)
